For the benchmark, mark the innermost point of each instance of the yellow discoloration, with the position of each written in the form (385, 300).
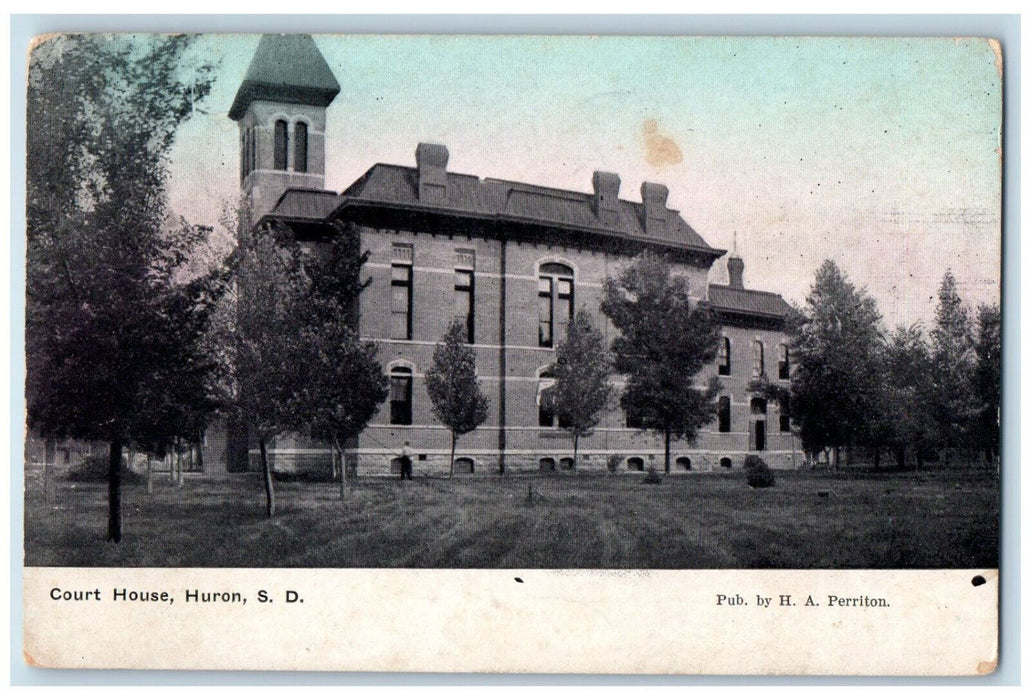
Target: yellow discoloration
(986, 667)
(659, 150)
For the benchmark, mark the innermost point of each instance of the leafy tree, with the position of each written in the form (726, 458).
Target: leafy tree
(903, 418)
(344, 383)
(269, 364)
(835, 341)
(108, 323)
(953, 357)
(988, 378)
(458, 401)
(664, 342)
(582, 373)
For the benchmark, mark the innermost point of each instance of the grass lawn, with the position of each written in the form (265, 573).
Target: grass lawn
(697, 521)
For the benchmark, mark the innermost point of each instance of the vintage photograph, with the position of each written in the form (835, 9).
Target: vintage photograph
(520, 302)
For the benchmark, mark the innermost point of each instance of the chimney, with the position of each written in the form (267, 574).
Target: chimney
(431, 159)
(606, 197)
(736, 268)
(653, 196)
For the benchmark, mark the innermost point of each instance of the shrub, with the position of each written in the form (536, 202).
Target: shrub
(614, 462)
(94, 470)
(757, 473)
(652, 477)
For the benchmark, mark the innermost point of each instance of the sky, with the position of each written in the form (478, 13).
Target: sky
(881, 154)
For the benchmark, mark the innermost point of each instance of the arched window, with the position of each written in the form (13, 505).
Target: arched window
(300, 147)
(726, 462)
(554, 302)
(724, 368)
(724, 414)
(635, 464)
(785, 415)
(546, 464)
(401, 396)
(545, 409)
(684, 463)
(758, 368)
(784, 364)
(280, 146)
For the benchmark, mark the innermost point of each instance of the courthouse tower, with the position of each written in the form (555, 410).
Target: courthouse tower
(281, 110)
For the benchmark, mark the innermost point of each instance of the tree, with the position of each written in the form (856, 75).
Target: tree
(988, 378)
(458, 401)
(953, 357)
(107, 321)
(582, 371)
(664, 342)
(835, 342)
(903, 417)
(269, 364)
(344, 383)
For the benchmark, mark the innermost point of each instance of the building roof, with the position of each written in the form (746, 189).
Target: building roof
(747, 301)
(286, 68)
(299, 203)
(519, 202)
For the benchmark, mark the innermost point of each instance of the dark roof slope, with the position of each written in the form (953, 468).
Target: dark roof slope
(747, 301)
(515, 201)
(297, 203)
(286, 68)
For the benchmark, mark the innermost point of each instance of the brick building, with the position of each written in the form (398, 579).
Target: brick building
(513, 260)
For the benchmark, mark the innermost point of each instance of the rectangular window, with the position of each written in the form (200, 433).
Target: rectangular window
(564, 307)
(757, 359)
(634, 420)
(400, 399)
(785, 415)
(784, 365)
(724, 414)
(545, 337)
(401, 302)
(724, 367)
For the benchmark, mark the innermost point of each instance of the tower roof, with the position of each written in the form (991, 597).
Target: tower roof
(286, 68)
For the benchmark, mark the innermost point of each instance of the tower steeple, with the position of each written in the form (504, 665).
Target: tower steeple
(281, 110)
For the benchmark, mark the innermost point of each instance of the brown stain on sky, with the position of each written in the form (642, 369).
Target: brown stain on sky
(659, 150)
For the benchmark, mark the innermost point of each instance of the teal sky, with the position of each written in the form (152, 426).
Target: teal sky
(881, 154)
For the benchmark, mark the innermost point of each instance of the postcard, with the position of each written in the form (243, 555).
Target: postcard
(544, 354)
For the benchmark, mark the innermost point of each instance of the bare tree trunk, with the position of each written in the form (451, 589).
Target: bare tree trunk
(49, 448)
(114, 491)
(453, 441)
(150, 476)
(270, 496)
(667, 450)
(343, 469)
(171, 466)
(180, 480)
(576, 448)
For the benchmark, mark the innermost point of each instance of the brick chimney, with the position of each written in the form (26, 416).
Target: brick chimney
(736, 269)
(653, 196)
(431, 159)
(606, 197)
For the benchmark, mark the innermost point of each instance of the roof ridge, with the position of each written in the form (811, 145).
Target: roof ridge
(750, 291)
